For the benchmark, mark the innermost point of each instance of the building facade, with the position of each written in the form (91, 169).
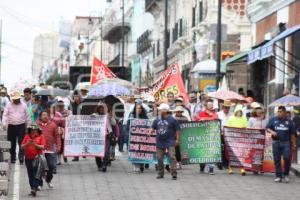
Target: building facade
(46, 50)
(275, 56)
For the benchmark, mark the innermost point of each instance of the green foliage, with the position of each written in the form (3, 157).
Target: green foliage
(58, 80)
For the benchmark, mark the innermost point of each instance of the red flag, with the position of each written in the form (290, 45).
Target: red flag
(100, 71)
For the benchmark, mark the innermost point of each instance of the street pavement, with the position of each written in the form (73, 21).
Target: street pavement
(81, 181)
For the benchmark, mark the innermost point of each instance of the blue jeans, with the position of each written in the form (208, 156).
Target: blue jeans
(51, 162)
(31, 171)
(282, 149)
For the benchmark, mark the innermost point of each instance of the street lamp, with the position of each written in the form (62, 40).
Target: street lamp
(219, 38)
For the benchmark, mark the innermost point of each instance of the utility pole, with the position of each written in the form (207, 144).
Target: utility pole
(0, 49)
(166, 36)
(101, 35)
(219, 40)
(123, 34)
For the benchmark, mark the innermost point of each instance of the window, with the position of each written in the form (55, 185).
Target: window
(200, 11)
(272, 69)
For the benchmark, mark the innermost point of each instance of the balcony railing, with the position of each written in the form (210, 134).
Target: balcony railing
(149, 4)
(179, 30)
(144, 42)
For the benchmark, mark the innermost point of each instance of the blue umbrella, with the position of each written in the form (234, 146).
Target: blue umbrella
(289, 100)
(106, 89)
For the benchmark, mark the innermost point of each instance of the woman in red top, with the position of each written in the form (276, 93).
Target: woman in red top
(33, 145)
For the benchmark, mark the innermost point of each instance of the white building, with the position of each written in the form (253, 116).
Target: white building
(46, 49)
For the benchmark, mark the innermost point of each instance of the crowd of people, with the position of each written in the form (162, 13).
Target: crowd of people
(37, 125)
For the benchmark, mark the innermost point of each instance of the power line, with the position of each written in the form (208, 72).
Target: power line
(33, 27)
(27, 51)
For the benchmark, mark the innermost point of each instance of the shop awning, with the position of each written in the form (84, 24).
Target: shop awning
(267, 49)
(232, 59)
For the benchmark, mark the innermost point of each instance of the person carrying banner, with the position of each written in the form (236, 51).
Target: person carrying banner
(237, 120)
(33, 144)
(186, 112)
(178, 115)
(103, 163)
(283, 134)
(207, 114)
(224, 115)
(257, 120)
(52, 145)
(139, 112)
(167, 137)
(75, 108)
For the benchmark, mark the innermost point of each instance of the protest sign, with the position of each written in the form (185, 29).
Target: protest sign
(169, 81)
(245, 147)
(200, 142)
(85, 135)
(142, 142)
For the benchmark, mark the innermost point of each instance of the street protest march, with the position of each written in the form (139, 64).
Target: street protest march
(245, 147)
(85, 135)
(169, 81)
(142, 142)
(200, 142)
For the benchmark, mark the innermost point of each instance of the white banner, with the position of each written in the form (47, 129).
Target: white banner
(85, 135)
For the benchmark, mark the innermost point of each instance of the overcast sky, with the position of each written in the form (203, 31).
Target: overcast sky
(25, 19)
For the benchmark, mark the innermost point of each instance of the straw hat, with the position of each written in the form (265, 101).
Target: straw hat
(227, 103)
(15, 95)
(178, 109)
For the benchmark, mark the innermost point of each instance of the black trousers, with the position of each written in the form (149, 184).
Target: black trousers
(177, 153)
(15, 133)
(104, 162)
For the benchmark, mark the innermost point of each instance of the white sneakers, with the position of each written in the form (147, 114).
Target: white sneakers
(50, 185)
(277, 180)
(286, 179)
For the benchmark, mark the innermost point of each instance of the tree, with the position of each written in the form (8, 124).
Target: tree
(57, 80)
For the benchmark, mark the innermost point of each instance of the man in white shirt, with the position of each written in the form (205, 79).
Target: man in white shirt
(224, 114)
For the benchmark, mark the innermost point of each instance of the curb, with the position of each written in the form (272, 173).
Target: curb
(296, 169)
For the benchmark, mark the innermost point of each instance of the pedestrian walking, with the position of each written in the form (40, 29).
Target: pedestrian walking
(171, 100)
(139, 112)
(178, 115)
(15, 119)
(208, 114)
(33, 144)
(4, 100)
(194, 106)
(102, 163)
(167, 137)
(27, 97)
(52, 145)
(237, 120)
(257, 120)
(224, 115)
(283, 134)
(75, 108)
(185, 111)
